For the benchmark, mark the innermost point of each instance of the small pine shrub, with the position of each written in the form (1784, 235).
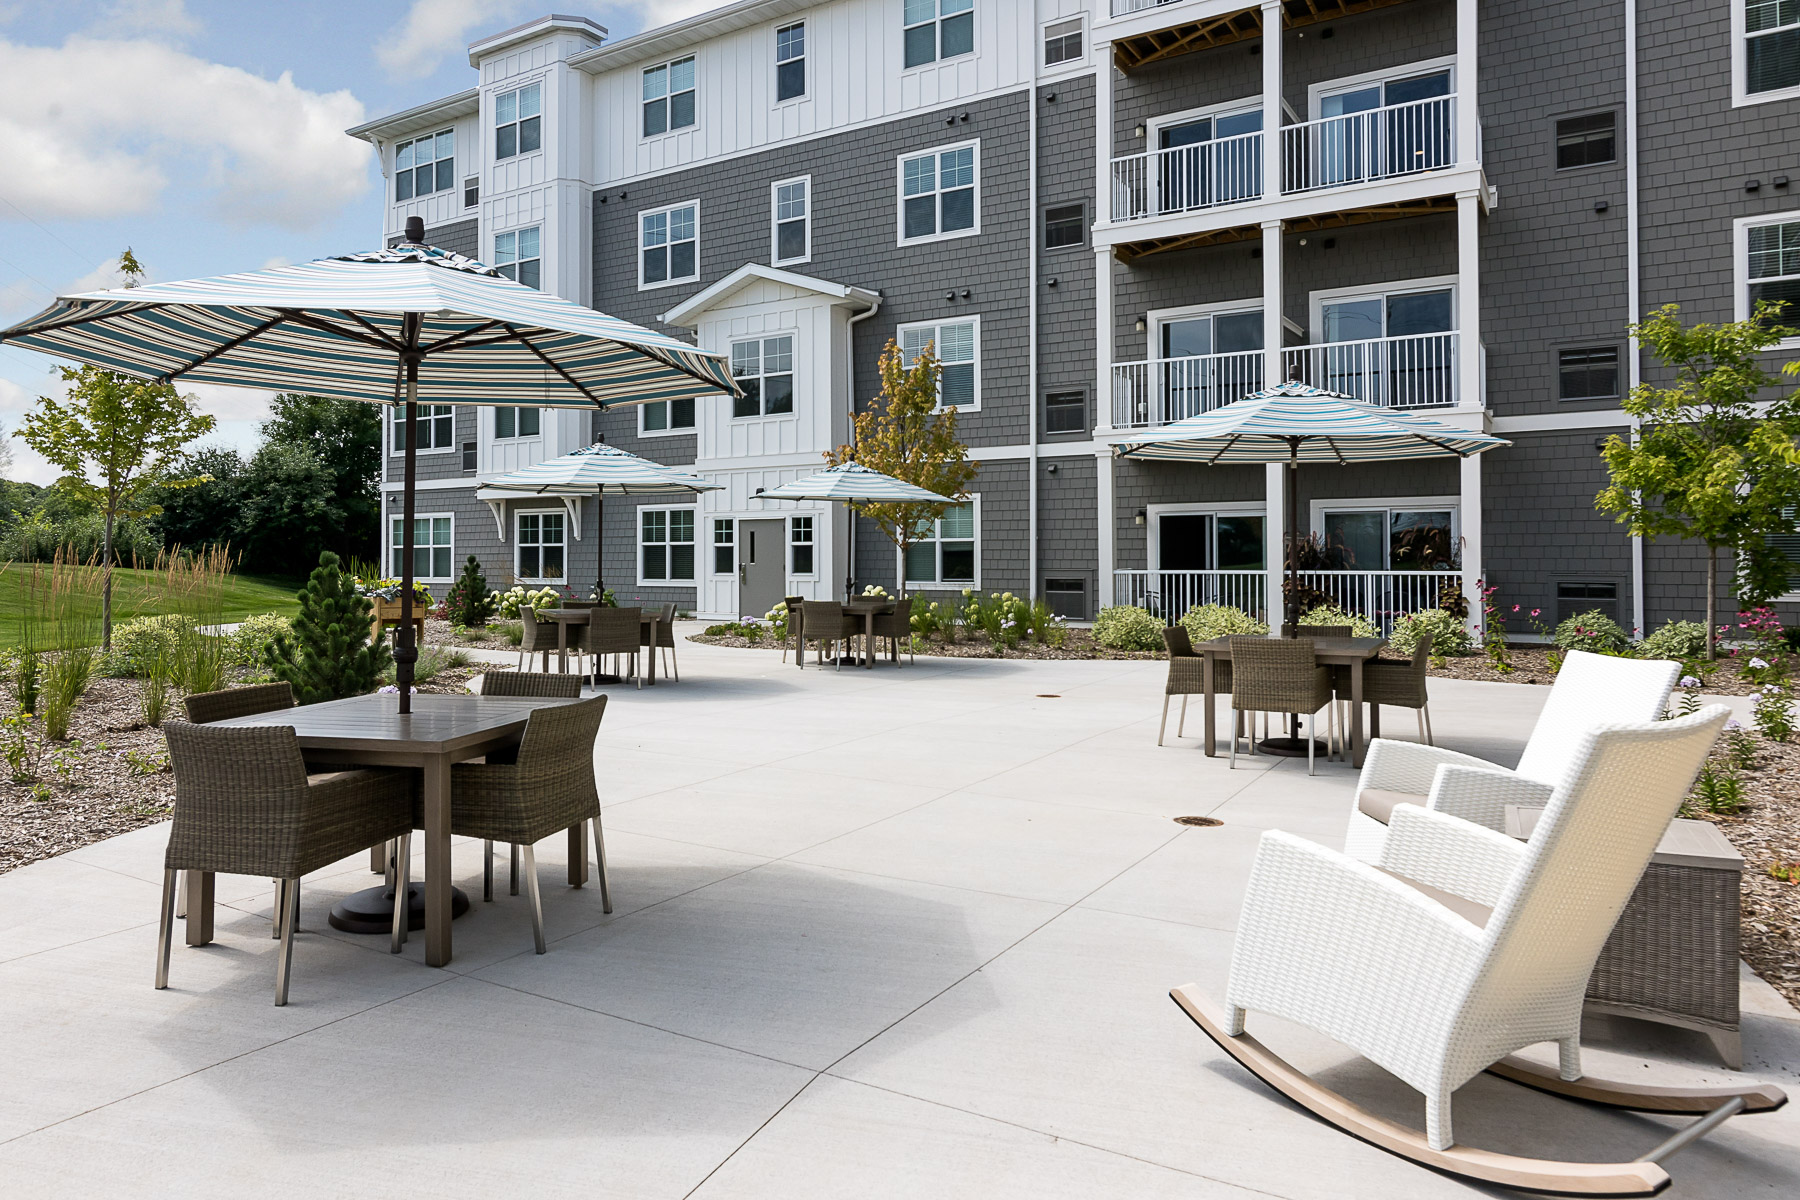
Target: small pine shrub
(1593, 631)
(470, 603)
(1123, 627)
(1449, 636)
(327, 656)
(1678, 641)
(1204, 622)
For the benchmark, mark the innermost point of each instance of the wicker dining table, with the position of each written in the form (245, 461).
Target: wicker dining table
(565, 617)
(1350, 652)
(369, 731)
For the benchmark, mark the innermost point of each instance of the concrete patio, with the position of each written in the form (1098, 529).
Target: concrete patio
(876, 934)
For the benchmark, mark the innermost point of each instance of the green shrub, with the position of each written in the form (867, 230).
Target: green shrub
(1123, 627)
(1593, 631)
(328, 656)
(1677, 641)
(138, 643)
(1449, 636)
(66, 677)
(512, 631)
(1331, 614)
(470, 603)
(433, 661)
(250, 645)
(1205, 622)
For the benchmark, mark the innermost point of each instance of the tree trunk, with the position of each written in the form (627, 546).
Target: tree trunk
(1712, 602)
(106, 557)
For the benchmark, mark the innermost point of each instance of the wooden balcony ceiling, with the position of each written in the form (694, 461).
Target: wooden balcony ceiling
(1127, 251)
(1129, 53)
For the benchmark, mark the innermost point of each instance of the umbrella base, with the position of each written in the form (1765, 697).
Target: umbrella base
(372, 909)
(1290, 747)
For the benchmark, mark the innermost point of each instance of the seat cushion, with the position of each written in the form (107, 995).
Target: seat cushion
(1379, 802)
(1475, 914)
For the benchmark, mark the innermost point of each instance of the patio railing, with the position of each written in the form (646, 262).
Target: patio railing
(1377, 596)
(1168, 594)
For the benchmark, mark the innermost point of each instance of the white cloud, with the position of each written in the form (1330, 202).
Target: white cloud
(25, 297)
(229, 403)
(152, 16)
(97, 128)
(432, 30)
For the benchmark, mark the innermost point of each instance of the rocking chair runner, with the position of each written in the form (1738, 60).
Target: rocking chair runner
(1383, 959)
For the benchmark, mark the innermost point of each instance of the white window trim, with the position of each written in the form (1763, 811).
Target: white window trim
(972, 319)
(937, 59)
(395, 419)
(637, 542)
(456, 155)
(796, 372)
(542, 255)
(1740, 263)
(818, 544)
(682, 431)
(1068, 64)
(774, 83)
(638, 245)
(1156, 318)
(1741, 95)
(638, 110)
(775, 221)
(1319, 507)
(539, 579)
(393, 547)
(1157, 124)
(1233, 508)
(712, 546)
(974, 500)
(519, 85)
(900, 196)
(1318, 91)
(1317, 301)
(490, 428)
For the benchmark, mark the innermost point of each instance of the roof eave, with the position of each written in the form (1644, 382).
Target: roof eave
(679, 35)
(411, 120)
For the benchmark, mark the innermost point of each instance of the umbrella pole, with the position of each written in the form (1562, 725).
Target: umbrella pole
(406, 653)
(850, 567)
(1291, 602)
(599, 545)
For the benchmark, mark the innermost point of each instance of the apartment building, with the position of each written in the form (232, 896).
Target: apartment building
(1108, 216)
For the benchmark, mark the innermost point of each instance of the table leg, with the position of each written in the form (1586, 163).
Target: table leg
(649, 675)
(199, 886)
(437, 860)
(1206, 683)
(1356, 712)
(869, 641)
(562, 647)
(578, 863)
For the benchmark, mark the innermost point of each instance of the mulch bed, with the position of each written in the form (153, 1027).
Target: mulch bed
(109, 778)
(1531, 664)
(1077, 644)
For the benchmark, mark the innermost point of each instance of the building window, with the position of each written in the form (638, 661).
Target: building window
(938, 193)
(471, 191)
(670, 245)
(1397, 539)
(936, 29)
(958, 346)
(1062, 42)
(764, 368)
(518, 121)
(666, 544)
(471, 460)
(1788, 545)
(1065, 225)
(1067, 598)
(436, 426)
(667, 416)
(1773, 262)
(425, 165)
(1585, 141)
(792, 200)
(945, 551)
(431, 547)
(669, 97)
(790, 61)
(540, 545)
(1587, 373)
(516, 422)
(1771, 45)
(1065, 412)
(724, 546)
(516, 255)
(800, 546)
(1573, 598)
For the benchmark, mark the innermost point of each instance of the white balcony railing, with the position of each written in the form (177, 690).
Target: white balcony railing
(1185, 178)
(1380, 597)
(1124, 8)
(1416, 371)
(1168, 389)
(1381, 143)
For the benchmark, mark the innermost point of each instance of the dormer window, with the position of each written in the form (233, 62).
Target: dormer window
(518, 121)
(425, 165)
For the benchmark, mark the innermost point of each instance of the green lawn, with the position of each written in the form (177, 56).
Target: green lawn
(139, 594)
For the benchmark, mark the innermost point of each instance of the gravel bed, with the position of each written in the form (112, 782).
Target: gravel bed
(1077, 644)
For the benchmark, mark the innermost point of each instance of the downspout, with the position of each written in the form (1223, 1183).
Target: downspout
(1633, 283)
(850, 401)
(1031, 341)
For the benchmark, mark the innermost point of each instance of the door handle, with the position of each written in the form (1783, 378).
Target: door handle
(742, 577)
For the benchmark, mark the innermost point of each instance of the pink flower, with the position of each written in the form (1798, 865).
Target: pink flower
(1536, 611)
(1515, 608)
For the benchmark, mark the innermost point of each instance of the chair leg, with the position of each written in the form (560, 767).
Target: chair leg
(165, 931)
(403, 879)
(180, 896)
(515, 869)
(275, 911)
(1425, 710)
(674, 665)
(1181, 721)
(284, 963)
(1165, 722)
(487, 870)
(600, 857)
(1312, 727)
(1419, 714)
(531, 893)
(1237, 724)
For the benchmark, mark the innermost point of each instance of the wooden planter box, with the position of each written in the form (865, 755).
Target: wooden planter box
(387, 612)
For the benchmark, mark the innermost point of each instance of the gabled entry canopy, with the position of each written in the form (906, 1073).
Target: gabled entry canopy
(841, 295)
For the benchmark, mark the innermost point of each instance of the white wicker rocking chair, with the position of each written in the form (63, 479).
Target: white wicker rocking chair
(1382, 960)
(1591, 689)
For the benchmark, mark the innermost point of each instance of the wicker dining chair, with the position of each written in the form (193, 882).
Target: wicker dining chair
(535, 637)
(1278, 675)
(548, 789)
(1396, 682)
(895, 626)
(792, 604)
(1318, 631)
(665, 641)
(244, 805)
(518, 683)
(616, 631)
(203, 708)
(826, 623)
(1187, 677)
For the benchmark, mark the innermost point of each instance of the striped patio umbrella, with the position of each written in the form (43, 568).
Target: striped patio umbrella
(406, 324)
(1292, 423)
(853, 483)
(599, 470)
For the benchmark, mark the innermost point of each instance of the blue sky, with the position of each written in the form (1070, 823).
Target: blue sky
(207, 136)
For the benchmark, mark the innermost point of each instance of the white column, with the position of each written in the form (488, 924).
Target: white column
(1271, 97)
(1468, 111)
(1103, 462)
(1103, 133)
(1103, 494)
(1275, 485)
(1471, 539)
(1469, 391)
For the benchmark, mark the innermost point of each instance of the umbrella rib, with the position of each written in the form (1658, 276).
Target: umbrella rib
(1229, 443)
(444, 346)
(555, 366)
(450, 342)
(386, 338)
(312, 322)
(225, 348)
(1332, 442)
(1440, 445)
(52, 326)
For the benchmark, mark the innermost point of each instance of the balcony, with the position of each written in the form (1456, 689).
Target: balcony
(1416, 371)
(1186, 178)
(1124, 8)
(1378, 596)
